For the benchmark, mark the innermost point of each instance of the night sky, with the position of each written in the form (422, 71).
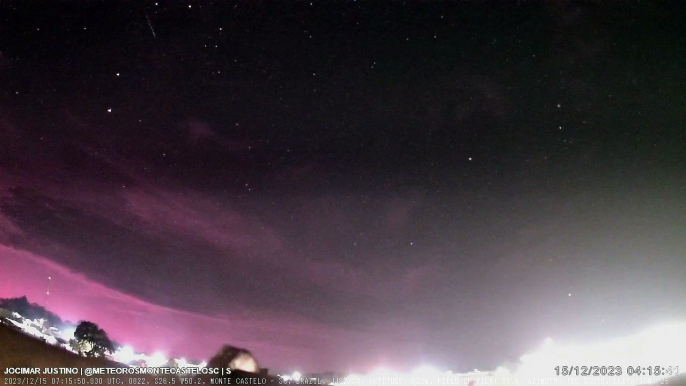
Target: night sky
(342, 185)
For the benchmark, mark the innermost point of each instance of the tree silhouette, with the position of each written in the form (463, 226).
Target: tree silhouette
(7, 314)
(79, 346)
(92, 340)
(172, 363)
(235, 358)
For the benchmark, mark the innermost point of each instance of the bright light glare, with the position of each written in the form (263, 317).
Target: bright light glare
(426, 371)
(157, 360)
(125, 355)
(657, 345)
(383, 372)
(68, 334)
(296, 375)
(660, 344)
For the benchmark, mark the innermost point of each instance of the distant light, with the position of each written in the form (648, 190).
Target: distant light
(569, 294)
(203, 364)
(296, 375)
